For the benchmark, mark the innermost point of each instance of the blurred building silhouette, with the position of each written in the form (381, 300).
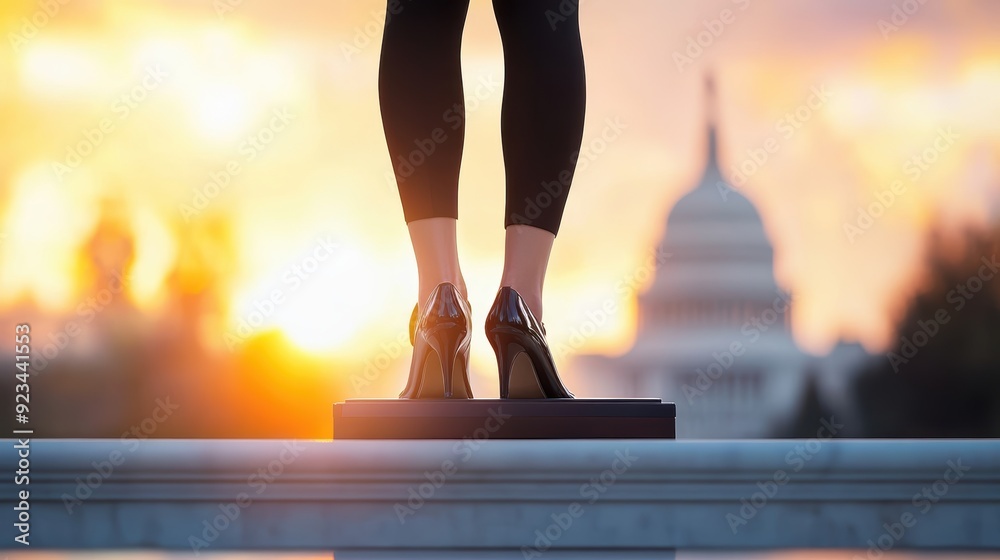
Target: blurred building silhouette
(104, 366)
(88, 361)
(714, 326)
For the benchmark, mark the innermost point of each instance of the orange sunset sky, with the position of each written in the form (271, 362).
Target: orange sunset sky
(200, 77)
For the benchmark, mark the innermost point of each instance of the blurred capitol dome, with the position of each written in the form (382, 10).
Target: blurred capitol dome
(714, 330)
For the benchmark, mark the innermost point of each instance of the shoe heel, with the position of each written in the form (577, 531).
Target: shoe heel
(511, 330)
(442, 329)
(445, 341)
(506, 349)
(415, 383)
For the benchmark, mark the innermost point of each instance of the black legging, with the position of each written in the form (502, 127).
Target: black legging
(422, 102)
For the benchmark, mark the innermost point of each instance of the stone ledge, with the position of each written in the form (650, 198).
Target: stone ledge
(360, 494)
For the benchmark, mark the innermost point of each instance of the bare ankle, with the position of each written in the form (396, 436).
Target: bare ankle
(536, 307)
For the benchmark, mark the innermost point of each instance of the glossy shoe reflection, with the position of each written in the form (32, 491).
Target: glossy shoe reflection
(527, 370)
(440, 337)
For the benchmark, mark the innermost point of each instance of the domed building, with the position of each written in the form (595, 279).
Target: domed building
(714, 327)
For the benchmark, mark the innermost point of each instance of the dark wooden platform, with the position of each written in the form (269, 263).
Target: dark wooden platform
(503, 419)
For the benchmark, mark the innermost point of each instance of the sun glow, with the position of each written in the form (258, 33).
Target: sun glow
(44, 223)
(222, 109)
(61, 69)
(322, 301)
(155, 252)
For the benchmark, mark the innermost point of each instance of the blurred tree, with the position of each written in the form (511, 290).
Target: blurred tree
(941, 377)
(808, 419)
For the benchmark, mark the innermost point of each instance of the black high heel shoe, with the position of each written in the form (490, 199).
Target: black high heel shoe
(440, 338)
(527, 370)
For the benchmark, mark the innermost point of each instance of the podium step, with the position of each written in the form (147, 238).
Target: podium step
(503, 419)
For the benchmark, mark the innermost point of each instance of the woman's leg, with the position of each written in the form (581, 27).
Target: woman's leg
(542, 127)
(420, 92)
(436, 250)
